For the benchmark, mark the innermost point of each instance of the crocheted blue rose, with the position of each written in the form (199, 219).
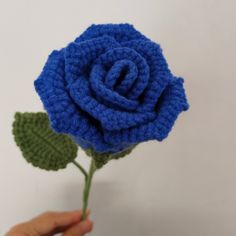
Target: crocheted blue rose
(110, 89)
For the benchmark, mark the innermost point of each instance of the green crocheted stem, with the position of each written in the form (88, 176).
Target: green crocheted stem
(87, 188)
(81, 169)
(98, 160)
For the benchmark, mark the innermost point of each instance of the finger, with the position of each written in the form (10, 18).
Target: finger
(79, 229)
(63, 229)
(50, 221)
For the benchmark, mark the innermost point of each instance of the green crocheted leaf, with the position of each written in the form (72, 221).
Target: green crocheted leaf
(102, 158)
(40, 145)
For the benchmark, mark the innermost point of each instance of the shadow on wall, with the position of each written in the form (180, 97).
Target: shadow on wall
(115, 216)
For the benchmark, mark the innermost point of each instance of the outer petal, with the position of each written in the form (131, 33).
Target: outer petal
(64, 114)
(121, 32)
(171, 104)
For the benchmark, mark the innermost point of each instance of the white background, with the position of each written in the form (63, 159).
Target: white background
(184, 186)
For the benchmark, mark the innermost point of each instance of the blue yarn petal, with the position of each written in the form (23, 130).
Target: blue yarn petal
(113, 77)
(109, 118)
(64, 115)
(120, 32)
(160, 75)
(172, 103)
(110, 57)
(51, 85)
(107, 96)
(79, 57)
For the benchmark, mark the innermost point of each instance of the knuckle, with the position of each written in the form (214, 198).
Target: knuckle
(51, 218)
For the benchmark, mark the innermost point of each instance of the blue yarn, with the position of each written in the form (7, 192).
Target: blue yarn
(110, 89)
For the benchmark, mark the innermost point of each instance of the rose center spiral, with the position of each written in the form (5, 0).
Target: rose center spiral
(119, 77)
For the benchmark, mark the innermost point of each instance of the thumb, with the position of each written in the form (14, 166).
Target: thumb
(46, 223)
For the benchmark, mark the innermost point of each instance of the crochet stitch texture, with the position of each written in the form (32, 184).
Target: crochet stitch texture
(110, 89)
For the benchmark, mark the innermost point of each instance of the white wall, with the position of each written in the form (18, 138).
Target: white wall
(184, 186)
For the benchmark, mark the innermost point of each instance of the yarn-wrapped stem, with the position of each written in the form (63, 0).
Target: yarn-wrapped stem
(87, 187)
(83, 171)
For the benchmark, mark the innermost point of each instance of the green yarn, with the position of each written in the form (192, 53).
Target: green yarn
(40, 145)
(102, 158)
(46, 149)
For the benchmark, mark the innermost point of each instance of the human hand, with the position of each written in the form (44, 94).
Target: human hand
(51, 223)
